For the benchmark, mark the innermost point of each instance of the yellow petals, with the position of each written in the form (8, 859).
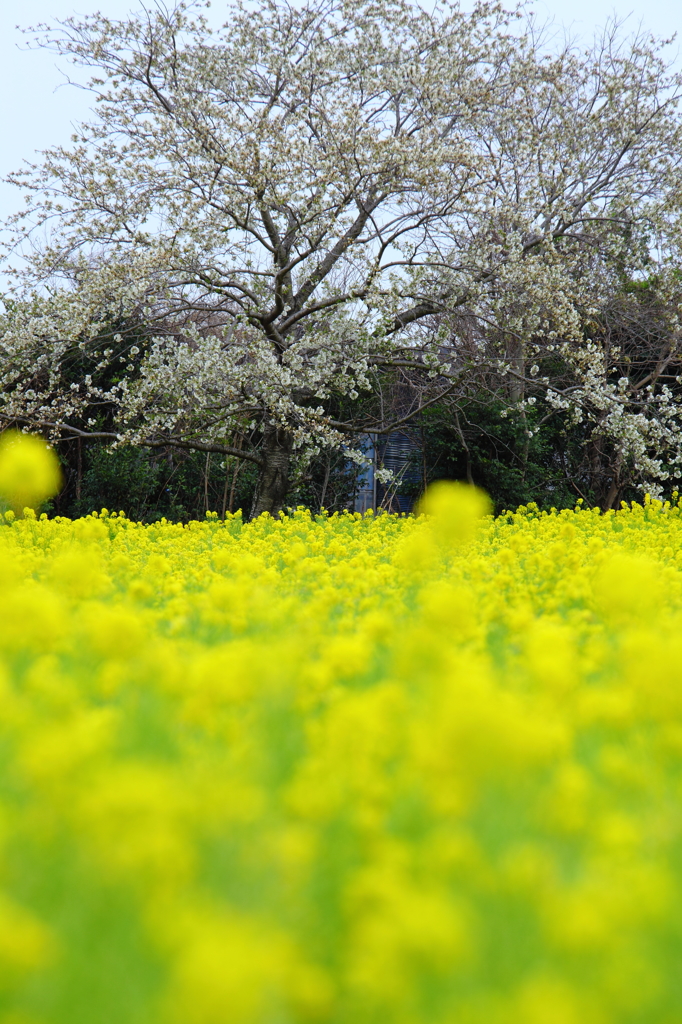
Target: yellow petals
(320, 770)
(29, 470)
(455, 510)
(25, 942)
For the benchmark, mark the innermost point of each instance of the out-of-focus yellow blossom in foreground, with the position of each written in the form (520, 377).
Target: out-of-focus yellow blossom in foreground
(29, 470)
(455, 510)
(342, 770)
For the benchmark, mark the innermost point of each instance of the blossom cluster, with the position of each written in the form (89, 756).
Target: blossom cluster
(342, 768)
(263, 221)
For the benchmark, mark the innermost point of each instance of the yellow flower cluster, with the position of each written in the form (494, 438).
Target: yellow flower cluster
(342, 770)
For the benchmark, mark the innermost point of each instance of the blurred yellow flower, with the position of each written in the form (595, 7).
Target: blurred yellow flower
(29, 470)
(455, 510)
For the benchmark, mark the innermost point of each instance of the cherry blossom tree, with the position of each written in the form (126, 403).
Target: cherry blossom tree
(259, 219)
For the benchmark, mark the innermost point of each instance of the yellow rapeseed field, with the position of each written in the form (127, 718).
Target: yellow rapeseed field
(342, 770)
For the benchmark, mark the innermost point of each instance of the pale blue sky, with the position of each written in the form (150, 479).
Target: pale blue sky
(38, 109)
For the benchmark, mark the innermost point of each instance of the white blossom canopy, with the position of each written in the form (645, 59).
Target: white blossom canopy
(258, 218)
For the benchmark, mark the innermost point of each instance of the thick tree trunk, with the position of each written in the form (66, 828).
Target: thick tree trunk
(273, 483)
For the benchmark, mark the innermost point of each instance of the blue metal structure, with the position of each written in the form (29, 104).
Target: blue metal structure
(397, 452)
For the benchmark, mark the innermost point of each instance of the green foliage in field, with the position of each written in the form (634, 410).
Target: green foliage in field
(344, 769)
